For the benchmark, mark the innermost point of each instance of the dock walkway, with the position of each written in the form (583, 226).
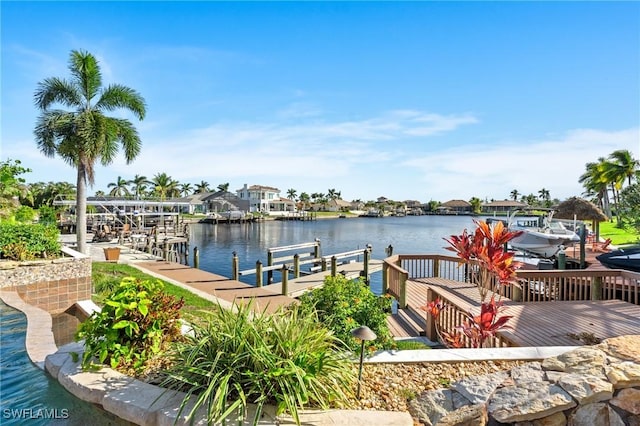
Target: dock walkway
(298, 286)
(224, 289)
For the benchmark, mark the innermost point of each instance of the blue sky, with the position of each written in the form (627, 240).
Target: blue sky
(415, 100)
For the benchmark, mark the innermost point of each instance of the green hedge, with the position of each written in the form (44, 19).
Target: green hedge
(20, 241)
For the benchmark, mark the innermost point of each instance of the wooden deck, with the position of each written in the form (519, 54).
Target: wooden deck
(536, 324)
(298, 286)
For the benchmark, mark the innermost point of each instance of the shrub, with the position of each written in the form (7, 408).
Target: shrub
(343, 304)
(136, 324)
(25, 214)
(237, 357)
(20, 241)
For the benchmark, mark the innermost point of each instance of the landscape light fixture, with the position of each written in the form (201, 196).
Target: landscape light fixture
(363, 333)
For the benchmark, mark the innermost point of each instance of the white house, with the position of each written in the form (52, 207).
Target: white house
(264, 199)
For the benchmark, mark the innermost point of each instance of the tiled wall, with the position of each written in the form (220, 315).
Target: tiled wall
(50, 285)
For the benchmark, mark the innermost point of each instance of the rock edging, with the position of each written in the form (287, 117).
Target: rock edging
(591, 385)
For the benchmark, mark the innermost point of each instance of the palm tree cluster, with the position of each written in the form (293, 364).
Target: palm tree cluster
(605, 179)
(543, 199)
(160, 186)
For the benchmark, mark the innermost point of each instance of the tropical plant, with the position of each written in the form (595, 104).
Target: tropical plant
(239, 357)
(595, 182)
(119, 188)
(164, 186)
(12, 186)
(476, 328)
(23, 241)
(483, 251)
(185, 189)
(136, 324)
(476, 205)
(202, 187)
(291, 193)
(85, 135)
(223, 187)
(343, 304)
(515, 194)
(630, 205)
(139, 185)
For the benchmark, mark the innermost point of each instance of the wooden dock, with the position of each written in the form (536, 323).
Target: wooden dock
(210, 286)
(298, 286)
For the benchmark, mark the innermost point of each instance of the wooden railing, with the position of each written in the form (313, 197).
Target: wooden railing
(534, 285)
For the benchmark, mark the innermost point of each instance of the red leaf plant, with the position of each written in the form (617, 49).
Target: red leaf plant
(485, 249)
(477, 328)
(494, 266)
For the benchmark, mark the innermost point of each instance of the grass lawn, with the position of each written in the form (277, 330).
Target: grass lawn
(618, 236)
(106, 274)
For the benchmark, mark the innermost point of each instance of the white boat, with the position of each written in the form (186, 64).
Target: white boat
(542, 237)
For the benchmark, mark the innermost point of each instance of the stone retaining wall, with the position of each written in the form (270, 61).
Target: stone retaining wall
(589, 386)
(51, 285)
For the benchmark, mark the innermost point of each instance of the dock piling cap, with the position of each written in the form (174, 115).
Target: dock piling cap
(363, 333)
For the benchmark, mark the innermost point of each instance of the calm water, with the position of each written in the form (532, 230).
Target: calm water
(407, 235)
(29, 396)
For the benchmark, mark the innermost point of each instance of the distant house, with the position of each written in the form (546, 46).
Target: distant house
(222, 201)
(337, 205)
(265, 199)
(503, 206)
(455, 207)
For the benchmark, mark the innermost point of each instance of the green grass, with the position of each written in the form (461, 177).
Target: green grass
(407, 345)
(106, 275)
(618, 236)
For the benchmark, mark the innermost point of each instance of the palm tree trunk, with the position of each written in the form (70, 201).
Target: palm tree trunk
(81, 211)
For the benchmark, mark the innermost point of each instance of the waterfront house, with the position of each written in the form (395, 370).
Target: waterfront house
(265, 199)
(503, 206)
(455, 207)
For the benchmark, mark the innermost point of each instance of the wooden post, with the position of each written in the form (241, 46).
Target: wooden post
(296, 265)
(235, 273)
(196, 258)
(596, 288)
(285, 280)
(165, 250)
(516, 293)
(430, 324)
(385, 278)
(403, 290)
(258, 273)
(436, 268)
(583, 243)
(334, 266)
(316, 250)
(367, 254)
(269, 263)
(324, 264)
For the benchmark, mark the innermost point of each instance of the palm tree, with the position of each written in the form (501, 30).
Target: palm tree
(291, 193)
(332, 194)
(515, 194)
(164, 186)
(119, 188)
(622, 166)
(476, 204)
(545, 196)
(595, 183)
(305, 200)
(185, 189)
(202, 187)
(85, 135)
(223, 187)
(139, 185)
